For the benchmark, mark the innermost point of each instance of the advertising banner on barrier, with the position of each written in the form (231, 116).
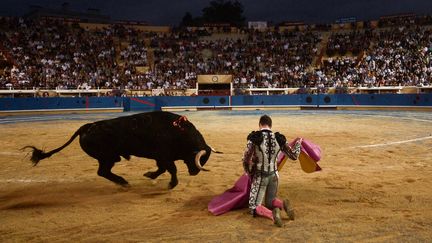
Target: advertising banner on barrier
(214, 79)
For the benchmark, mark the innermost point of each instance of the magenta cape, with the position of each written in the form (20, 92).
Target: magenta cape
(238, 196)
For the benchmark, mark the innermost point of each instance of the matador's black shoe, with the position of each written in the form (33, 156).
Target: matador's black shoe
(288, 210)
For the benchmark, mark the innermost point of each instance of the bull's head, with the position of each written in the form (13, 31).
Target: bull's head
(200, 159)
(193, 140)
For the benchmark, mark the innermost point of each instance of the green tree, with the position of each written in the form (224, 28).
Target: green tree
(222, 11)
(219, 11)
(187, 20)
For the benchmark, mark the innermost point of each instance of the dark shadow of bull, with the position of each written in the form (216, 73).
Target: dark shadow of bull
(162, 136)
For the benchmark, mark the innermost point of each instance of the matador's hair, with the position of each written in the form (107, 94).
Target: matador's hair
(265, 120)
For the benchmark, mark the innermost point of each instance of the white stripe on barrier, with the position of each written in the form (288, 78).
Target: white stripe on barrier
(392, 143)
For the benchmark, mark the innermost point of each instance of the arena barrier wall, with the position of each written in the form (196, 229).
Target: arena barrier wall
(61, 104)
(336, 100)
(296, 101)
(378, 100)
(300, 101)
(176, 102)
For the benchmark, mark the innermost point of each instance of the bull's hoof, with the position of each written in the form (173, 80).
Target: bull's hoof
(120, 181)
(172, 184)
(151, 175)
(125, 185)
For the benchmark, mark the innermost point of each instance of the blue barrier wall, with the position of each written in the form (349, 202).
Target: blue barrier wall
(382, 99)
(7, 104)
(155, 103)
(335, 100)
(254, 100)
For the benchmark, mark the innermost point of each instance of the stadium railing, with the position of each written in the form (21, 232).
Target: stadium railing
(189, 92)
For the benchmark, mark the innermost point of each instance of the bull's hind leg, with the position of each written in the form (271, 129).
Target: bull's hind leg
(172, 169)
(154, 174)
(105, 171)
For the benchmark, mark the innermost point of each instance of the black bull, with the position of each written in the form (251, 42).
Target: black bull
(162, 136)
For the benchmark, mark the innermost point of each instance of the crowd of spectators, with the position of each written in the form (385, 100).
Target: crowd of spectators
(400, 56)
(135, 53)
(396, 56)
(353, 42)
(261, 59)
(54, 55)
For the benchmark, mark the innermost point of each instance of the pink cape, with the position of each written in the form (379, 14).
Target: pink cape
(238, 196)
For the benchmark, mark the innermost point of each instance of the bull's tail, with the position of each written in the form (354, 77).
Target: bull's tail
(38, 154)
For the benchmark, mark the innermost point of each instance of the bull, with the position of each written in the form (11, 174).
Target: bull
(162, 136)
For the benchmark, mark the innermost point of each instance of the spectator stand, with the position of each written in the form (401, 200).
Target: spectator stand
(37, 93)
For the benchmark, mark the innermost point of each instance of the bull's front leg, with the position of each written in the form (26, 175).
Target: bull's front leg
(154, 174)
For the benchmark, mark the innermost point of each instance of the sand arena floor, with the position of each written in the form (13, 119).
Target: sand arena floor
(381, 193)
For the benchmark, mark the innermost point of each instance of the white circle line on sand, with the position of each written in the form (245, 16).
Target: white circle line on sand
(403, 118)
(392, 143)
(390, 116)
(11, 153)
(34, 180)
(29, 120)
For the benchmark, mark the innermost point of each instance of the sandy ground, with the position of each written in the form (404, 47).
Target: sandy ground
(376, 194)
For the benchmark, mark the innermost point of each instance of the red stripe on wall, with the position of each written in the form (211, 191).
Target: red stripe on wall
(354, 100)
(143, 102)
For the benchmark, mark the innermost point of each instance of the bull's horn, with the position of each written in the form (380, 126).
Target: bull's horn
(215, 151)
(197, 160)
